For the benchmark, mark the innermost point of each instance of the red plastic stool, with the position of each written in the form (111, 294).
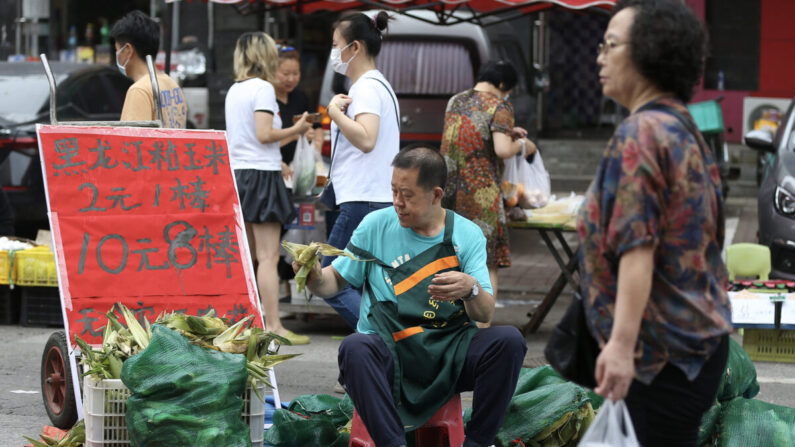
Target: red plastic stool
(445, 428)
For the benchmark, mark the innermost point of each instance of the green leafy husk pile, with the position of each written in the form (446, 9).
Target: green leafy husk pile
(120, 342)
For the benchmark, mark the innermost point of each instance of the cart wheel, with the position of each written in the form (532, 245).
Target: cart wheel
(56, 382)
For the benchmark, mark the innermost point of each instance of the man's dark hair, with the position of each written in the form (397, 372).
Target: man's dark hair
(500, 74)
(667, 44)
(137, 29)
(426, 158)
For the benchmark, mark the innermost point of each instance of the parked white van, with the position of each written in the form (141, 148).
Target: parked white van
(426, 64)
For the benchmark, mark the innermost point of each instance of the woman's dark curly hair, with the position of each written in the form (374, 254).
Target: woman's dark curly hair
(667, 44)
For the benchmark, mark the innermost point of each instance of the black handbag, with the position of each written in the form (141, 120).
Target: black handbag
(327, 197)
(571, 350)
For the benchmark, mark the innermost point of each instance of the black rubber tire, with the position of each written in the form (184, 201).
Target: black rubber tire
(57, 390)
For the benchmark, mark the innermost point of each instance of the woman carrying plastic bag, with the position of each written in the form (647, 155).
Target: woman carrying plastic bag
(612, 427)
(526, 184)
(304, 177)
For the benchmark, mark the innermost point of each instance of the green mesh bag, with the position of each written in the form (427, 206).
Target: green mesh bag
(545, 410)
(709, 425)
(739, 378)
(184, 395)
(311, 420)
(751, 422)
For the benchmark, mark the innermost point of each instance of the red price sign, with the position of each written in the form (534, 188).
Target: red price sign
(146, 217)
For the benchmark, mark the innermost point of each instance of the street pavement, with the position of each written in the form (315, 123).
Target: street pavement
(315, 371)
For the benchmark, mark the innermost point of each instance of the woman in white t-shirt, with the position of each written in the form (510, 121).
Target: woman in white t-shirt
(365, 137)
(254, 129)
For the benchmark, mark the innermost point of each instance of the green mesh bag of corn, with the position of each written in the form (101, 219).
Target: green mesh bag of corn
(185, 395)
(317, 420)
(739, 378)
(545, 410)
(751, 422)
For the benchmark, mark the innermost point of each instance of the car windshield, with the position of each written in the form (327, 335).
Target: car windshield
(22, 97)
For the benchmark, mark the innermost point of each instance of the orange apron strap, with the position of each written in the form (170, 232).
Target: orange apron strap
(429, 269)
(406, 333)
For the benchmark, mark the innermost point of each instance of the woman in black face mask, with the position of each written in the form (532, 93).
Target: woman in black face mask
(365, 137)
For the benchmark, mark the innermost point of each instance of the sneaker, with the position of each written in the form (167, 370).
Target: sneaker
(296, 339)
(338, 388)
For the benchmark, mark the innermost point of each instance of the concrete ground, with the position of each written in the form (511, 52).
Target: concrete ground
(315, 371)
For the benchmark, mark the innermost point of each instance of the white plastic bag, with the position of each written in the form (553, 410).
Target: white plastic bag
(533, 178)
(303, 168)
(611, 428)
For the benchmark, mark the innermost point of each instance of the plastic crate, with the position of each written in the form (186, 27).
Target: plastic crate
(708, 116)
(40, 306)
(9, 305)
(5, 267)
(770, 345)
(105, 408)
(35, 267)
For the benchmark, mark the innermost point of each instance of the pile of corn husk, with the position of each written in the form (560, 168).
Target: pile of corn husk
(121, 342)
(75, 437)
(307, 256)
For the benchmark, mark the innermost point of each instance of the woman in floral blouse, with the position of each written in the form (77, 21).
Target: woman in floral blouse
(478, 133)
(651, 230)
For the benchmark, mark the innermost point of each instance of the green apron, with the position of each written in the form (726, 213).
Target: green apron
(428, 339)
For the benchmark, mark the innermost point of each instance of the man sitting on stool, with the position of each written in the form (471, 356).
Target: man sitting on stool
(424, 282)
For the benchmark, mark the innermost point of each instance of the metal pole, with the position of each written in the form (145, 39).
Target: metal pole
(210, 26)
(18, 30)
(51, 81)
(53, 96)
(155, 90)
(168, 22)
(175, 18)
(299, 34)
(540, 64)
(34, 36)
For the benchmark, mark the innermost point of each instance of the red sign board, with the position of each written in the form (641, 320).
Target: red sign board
(146, 217)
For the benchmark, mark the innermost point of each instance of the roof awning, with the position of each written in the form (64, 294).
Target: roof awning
(448, 12)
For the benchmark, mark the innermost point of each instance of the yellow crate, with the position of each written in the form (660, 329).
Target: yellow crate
(769, 345)
(35, 267)
(5, 266)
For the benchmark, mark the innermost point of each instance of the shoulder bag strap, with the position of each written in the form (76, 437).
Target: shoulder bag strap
(394, 102)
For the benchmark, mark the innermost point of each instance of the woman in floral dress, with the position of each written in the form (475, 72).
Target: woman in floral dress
(478, 133)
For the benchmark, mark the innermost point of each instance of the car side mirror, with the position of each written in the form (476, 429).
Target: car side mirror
(760, 140)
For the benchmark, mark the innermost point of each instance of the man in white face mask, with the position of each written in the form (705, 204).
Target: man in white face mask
(136, 36)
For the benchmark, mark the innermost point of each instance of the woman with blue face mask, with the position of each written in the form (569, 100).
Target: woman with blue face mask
(365, 137)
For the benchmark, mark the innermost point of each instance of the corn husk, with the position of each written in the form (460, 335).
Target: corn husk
(75, 437)
(120, 342)
(307, 256)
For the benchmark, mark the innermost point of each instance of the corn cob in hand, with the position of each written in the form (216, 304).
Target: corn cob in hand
(307, 257)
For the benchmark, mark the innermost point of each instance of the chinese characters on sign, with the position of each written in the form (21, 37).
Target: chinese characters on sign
(147, 217)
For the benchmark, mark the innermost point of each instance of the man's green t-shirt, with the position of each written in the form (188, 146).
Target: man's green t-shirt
(381, 234)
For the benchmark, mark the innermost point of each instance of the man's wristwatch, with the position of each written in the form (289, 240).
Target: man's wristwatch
(473, 293)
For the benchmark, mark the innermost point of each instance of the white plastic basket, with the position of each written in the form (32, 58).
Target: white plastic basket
(105, 406)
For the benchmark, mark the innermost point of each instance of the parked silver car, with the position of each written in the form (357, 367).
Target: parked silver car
(777, 193)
